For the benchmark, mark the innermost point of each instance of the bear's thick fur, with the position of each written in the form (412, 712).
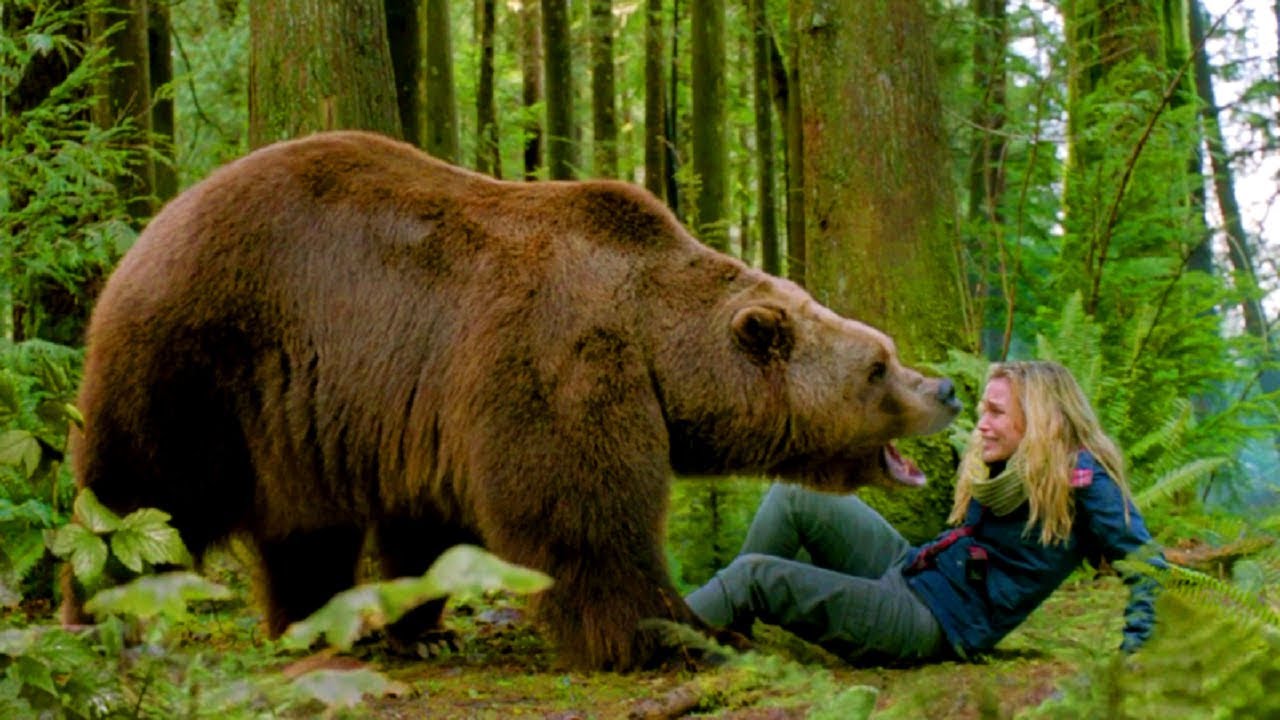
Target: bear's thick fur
(340, 333)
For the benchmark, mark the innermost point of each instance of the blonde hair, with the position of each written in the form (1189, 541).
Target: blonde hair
(1059, 424)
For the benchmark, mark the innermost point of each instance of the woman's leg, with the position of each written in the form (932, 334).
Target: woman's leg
(854, 617)
(840, 532)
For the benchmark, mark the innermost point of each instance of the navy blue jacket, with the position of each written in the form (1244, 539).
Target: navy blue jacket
(982, 579)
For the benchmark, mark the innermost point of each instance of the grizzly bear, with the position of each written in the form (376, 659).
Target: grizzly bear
(340, 334)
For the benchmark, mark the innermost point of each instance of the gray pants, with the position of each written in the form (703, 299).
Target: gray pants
(852, 599)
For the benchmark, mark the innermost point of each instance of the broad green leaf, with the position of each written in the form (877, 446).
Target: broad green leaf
(145, 537)
(34, 673)
(165, 595)
(93, 514)
(461, 570)
(86, 551)
(20, 449)
(346, 688)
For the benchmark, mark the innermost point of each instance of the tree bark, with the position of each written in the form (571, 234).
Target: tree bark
(1239, 251)
(654, 102)
(707, 52)
(531, 86)
(404, 37)
(126, 95)
(604, 115)
(306, 77)
(562, 154)
(880, 210)
(442, 104)
(766, 201)
(488, 154)
(159, 53)
(673, 105)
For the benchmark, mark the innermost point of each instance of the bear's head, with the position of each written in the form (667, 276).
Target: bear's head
(769, 380)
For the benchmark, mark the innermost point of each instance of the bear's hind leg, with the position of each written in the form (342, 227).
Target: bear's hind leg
(303, 570)
(407, 547)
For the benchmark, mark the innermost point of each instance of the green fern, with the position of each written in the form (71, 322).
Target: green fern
(1179, 479)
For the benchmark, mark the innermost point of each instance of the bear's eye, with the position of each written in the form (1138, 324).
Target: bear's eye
(878, 371)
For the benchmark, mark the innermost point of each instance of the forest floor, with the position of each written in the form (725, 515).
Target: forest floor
(502, 669)
(500, 666)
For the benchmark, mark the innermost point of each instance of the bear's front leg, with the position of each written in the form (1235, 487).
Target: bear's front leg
(597, 613)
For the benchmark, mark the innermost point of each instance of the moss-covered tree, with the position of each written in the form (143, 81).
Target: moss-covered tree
(305, 77)
(125, 94)
(562, 145)
(710, 155)
(879, 203)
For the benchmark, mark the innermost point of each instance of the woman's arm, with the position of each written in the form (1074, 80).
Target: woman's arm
(1102, 505)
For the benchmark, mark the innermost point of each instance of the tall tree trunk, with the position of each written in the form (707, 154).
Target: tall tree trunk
(879, 205)
(604, 115)
(159, 52)
(488, 154)
(673, 107)
(442, 104)
(531, 85)
(404, 37)
(1239, 250)
(304, 77)
(766, 202)
(654, 106)
(707, 51)
(126, 94)
(562, 154)
(797, 250)
(880, 226)
(986, 175)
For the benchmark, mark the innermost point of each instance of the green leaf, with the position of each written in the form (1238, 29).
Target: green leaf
(461, 570)
(20, 449)
(163, 595)
(86, 552)
(93, 514)
(346, 688)
(34, 673)
(145, 537)
(31, 512)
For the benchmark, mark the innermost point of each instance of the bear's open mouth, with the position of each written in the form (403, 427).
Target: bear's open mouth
(901, 468)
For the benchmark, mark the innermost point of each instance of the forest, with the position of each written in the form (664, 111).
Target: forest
(1093, 182)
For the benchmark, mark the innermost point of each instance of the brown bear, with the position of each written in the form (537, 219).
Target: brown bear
(339, 334)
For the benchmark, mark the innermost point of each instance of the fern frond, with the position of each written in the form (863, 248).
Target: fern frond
(1178, 479)
(1167, 434)
(1209, 592)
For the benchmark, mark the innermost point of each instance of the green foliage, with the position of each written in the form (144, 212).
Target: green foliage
(707, 524)
(62, 220)
(461, 571)
(139, 541)
(210, 85)
(1206, 659)
(37, 383)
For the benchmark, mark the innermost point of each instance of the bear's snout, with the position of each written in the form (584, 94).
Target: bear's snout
(947, 394)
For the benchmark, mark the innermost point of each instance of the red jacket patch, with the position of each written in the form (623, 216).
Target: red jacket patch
(1081, 477)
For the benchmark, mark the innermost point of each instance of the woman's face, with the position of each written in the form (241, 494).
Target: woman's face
(1001, 423)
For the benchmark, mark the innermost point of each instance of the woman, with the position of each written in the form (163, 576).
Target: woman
(1041, 487)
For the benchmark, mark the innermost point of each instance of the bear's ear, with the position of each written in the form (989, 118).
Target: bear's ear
(764, 332)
